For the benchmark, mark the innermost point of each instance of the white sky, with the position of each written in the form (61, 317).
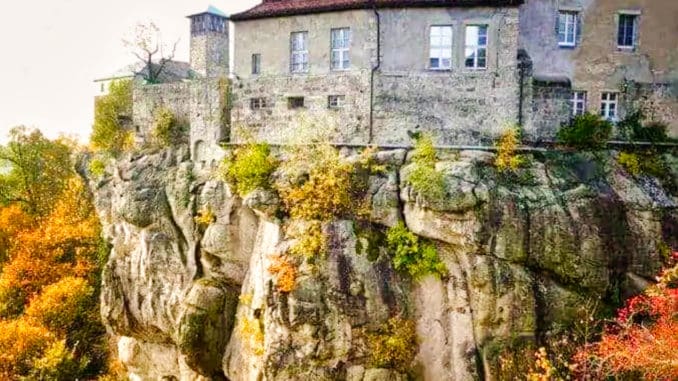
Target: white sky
(51, 50)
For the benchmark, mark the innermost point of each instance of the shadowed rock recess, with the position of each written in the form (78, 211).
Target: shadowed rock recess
(191, 300)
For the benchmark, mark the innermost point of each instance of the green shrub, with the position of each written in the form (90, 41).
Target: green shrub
(587, 131)
(394, 345)
(250, 168)
(630, 162)
(167, 129)
(413, 254)
(634, 128)
(109, 134)
(424, 178)
(97, 167)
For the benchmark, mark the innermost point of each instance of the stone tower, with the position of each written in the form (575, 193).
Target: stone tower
(210, 43)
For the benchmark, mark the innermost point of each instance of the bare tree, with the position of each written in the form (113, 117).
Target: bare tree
(147, 45)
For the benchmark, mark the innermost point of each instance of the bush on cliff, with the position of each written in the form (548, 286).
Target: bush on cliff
(250, 168)
(587, 132)
(634, 127)
(167, 130)
(424, 178)
(507, 159)
(393, 345)
(412, 254)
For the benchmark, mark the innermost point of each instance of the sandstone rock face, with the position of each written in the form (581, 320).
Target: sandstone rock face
(189, 299)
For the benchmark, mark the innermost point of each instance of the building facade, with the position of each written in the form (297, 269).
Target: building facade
(379, 71)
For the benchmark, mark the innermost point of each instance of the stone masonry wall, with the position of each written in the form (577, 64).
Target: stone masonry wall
(546, 107)
(278, 123)
(458, 106)
(198, 103)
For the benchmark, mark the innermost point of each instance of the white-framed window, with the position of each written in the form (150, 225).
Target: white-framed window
(475, 47)
(258, 103)
(440, 57)
(336, 101)
(626, 32)
(609, 105)
(340, 42)
(256, 63)
(567, 28)
(578, 102)
(299, 52)
(295, 102)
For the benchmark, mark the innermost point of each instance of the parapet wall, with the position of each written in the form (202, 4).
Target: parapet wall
(200, 104)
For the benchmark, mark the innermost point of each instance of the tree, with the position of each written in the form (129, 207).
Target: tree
(146, 44)
(36, 171)
(109, 134)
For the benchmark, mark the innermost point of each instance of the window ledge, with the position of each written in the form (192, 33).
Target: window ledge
(566, 46)
(629, 49)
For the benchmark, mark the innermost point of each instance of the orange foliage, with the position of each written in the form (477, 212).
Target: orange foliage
(20, 343)
(60, 304)
(642, 339)
(62, 244)
(285, 272)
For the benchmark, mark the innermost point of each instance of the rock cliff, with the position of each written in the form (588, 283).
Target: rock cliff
(193, 299)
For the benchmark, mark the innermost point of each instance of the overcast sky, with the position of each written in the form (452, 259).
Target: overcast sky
(51, 50)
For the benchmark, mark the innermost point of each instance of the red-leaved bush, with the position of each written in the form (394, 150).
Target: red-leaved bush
(642, 340)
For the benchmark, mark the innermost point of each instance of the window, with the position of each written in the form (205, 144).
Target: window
(626, 35)
(205, 23)
(336, 101)
(440, 57)
(476, 47)
(567, 28)
(257, 103)
(256, 63)
(299, 52)
(578, 102)
(295, 102)
(608, 106)
(103, 87)
(340, 43)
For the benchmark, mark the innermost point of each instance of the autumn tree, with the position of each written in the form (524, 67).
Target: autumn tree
(147, 45)
(50, 327)
(110, 136)
(36, 170)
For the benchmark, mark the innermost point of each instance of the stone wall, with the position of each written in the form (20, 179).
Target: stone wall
(458, 106)
(546, 107)
(210, 54)
(199, 104)
(278, 123)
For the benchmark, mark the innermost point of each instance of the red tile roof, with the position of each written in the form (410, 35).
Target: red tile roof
(275, 8)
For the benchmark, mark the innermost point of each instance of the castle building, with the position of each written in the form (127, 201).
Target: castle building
(376, 71)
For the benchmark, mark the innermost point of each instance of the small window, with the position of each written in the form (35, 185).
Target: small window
(608, 106)
(626, 35)
(336, 101)
(258, 103)
(256, 63)
(103, 87)
(340, 43)
(578, 102)
(440, 57)
(475, 49)
(567, 28)
(295, 102)
(299, 52)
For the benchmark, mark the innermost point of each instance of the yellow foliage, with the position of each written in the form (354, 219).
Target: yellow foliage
(326, 192)
(311, 241)
(57, 363)
(285, 273)
(61, 303)
(253, 335)
(630, 162)
(394, 345)
(544, 369)
(507, 159)
(21, 343)
(205, 217)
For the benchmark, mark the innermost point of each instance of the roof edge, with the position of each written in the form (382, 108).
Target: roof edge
(245, 16)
